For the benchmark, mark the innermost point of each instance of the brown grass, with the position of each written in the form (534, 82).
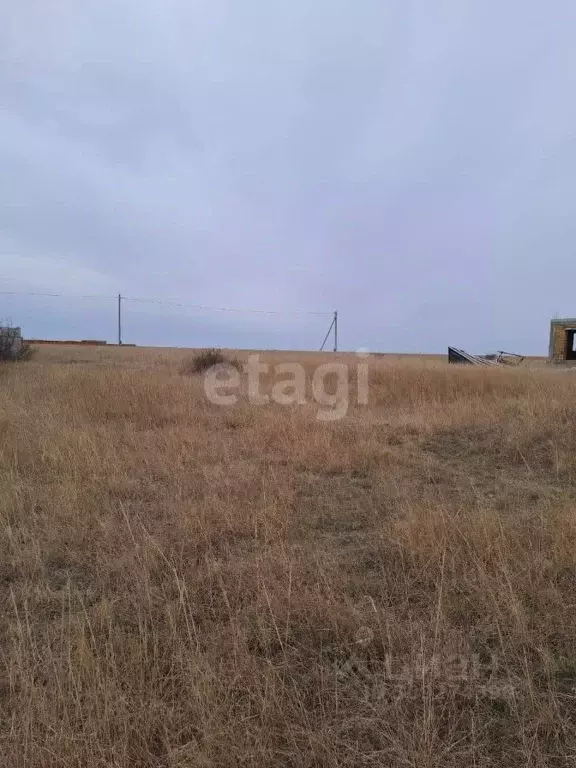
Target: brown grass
(189, 585)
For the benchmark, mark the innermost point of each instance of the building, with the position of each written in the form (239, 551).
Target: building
(562, 337)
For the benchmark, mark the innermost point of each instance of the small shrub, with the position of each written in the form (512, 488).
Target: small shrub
(12, 347)
(206, 359)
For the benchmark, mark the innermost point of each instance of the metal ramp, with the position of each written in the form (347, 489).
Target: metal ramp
(459, 356)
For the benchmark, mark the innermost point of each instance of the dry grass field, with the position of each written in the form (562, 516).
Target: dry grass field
(185, 585)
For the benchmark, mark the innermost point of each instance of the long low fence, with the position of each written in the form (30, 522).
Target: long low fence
(84, 342)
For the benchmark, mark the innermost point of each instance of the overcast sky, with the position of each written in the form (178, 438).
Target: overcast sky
(411, 164)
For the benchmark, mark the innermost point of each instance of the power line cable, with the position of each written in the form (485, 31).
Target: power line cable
(224, 309)
(165, 303)
(183, 305)
(56, 295)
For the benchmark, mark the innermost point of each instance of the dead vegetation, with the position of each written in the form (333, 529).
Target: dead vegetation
(208, 358)
(190, 585)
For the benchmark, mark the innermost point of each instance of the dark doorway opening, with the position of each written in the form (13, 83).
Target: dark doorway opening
(570, 351)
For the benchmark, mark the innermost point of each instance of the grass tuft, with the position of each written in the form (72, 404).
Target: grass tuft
(205, 360)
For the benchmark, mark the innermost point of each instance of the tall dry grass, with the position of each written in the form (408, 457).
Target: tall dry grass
(189, 585)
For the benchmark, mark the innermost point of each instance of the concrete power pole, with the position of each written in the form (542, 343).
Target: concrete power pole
(119, 320)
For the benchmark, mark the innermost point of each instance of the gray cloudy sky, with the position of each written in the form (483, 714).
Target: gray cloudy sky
(411, 164)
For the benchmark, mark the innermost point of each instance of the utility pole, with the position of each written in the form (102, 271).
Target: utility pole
(335, 331)
(119, 320)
